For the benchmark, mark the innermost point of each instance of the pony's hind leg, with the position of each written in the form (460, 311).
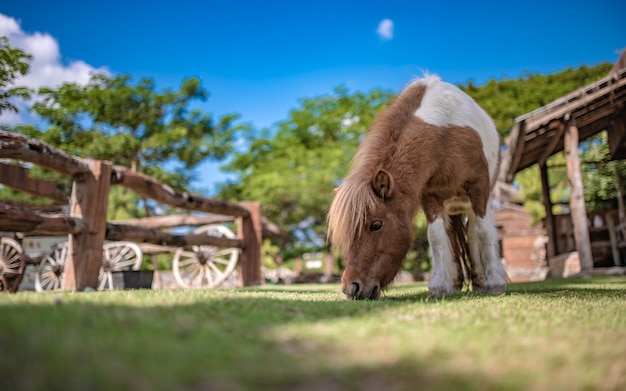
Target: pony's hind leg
(488, 273)
(444, 279)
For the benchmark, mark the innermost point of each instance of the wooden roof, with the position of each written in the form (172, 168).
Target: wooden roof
(594, 108)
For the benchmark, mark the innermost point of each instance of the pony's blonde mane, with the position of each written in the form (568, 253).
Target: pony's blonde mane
(353, 202)
(355, 199)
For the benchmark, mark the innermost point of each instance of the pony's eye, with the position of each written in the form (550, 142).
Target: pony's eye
(376, 225)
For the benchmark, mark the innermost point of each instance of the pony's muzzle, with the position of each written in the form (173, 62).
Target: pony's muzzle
(355, 291)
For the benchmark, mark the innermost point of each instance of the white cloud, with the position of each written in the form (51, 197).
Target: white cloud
(385, 29)
(47, 68)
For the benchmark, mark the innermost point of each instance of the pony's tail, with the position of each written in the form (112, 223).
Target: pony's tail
(457, 232)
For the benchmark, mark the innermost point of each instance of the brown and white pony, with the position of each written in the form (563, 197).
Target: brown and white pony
(433, 148)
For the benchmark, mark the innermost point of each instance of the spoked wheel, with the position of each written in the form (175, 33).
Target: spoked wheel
(118, 256)
(49, 276)
(205, 266)
(12, 264)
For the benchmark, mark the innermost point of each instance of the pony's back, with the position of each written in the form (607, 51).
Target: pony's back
(444, 104)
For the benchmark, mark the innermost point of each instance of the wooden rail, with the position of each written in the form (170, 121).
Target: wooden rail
(86, 223)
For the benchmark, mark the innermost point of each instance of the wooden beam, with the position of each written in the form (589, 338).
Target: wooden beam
(14, 219)
(621, 208)
(616, 134)
(572, 102)
(549, 149)
(176, 220)
(249, 229)
(270, 230)
(132, 233)
(89, 201)
(610, 226)
(515, 151)
(547, 204)
(149, 187)
(577, 200)
(17, 146)
(16, 177)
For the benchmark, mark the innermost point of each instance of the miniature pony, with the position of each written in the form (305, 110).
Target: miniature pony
(434, 147)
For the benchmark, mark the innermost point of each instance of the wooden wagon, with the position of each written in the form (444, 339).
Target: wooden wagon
(202, 266)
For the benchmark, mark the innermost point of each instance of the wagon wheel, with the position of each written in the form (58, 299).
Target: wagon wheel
(12, 264)
(49, 276)
(205, 266)
(118, 256)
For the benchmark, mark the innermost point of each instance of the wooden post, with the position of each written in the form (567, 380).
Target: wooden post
(250, 230)
(610, 225)
(89, 201)
(620, 202)
(552, 248)
(577, 201)
(158, 279)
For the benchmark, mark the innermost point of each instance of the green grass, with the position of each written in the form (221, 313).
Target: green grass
(562, 334)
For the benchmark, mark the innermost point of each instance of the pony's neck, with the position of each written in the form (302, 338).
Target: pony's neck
(412, 165)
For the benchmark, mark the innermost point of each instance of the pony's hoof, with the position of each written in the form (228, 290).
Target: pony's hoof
(437, 293)
(497, 290)
(479, 289)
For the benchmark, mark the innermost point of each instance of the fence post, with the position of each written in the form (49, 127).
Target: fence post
(250, 230)
(89, 201)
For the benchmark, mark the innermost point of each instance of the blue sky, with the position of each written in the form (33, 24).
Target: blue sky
(257, 58)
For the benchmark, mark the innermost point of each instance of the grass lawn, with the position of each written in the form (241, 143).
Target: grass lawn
(561, 334)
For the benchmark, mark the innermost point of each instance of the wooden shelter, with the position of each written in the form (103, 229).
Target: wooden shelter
(559, 126)
(522, 243)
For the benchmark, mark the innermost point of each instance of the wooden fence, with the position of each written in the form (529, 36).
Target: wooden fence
(86, 224)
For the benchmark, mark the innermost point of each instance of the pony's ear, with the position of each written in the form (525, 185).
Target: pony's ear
(382, 183)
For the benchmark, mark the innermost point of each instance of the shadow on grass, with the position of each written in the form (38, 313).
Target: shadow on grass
(159, 340)
(597, 286)
(224, 344)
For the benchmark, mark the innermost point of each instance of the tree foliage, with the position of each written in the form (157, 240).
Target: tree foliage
(134, 125)
(601, 176)
(507, 99)
(14, 63)
(294, 168)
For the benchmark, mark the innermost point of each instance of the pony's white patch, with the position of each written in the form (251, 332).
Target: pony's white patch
(444, 104)
(444, 271)
(483, 240)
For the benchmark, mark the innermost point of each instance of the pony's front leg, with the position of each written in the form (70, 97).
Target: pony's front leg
(488, 273)
(445, 271)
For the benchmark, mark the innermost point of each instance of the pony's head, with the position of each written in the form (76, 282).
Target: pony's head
(372, 228)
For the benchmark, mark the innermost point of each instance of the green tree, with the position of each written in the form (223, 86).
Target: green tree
(14, 63)
(507, 99)
(529, 182)
(134, 125)
(601, 176)
(293, 168)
